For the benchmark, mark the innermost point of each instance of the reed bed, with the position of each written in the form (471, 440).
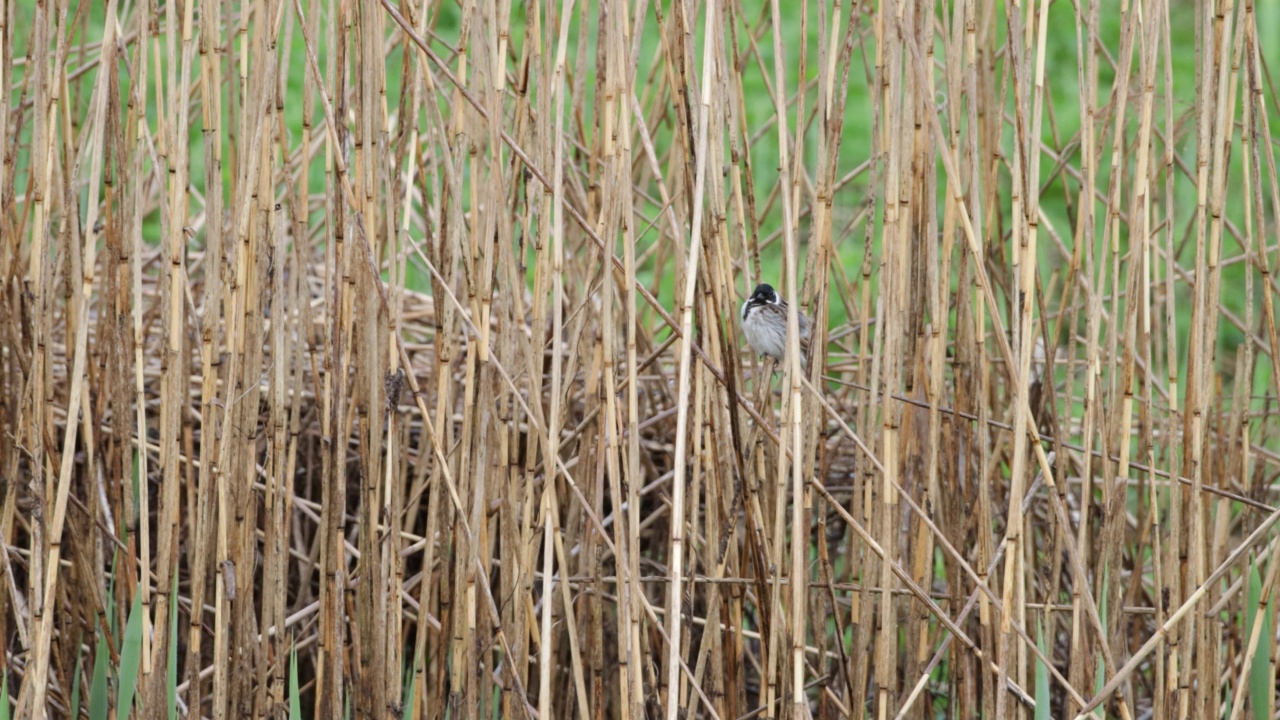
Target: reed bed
(382, 358)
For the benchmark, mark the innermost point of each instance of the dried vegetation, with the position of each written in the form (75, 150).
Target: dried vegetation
(380, 357)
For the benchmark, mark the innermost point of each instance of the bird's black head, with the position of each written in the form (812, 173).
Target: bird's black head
(764, 293)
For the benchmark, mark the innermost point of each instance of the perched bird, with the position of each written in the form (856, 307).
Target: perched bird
(764, 322)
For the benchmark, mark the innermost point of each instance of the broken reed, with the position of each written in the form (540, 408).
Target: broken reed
(384, 356)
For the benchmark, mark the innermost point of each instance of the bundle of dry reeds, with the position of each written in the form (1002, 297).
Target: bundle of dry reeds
(381, 358)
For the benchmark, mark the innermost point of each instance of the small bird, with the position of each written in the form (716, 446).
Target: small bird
(764, 322)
